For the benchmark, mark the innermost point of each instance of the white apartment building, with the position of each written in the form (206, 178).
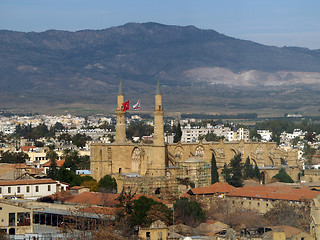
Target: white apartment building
(191, 134)
(266, 135)
(28, 189)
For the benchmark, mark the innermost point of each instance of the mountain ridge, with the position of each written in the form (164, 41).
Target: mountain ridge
(88, 63)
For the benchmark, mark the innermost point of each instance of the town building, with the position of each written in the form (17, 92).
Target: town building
(15, 219)
(28, 189)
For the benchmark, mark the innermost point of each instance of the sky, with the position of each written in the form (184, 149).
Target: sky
(270, 22)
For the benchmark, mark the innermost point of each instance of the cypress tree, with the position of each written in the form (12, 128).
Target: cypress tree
(248, 169)
(236, 171)
(282, 176)
(178, 134)
(226, 172)
(256, 173)
(214, 170)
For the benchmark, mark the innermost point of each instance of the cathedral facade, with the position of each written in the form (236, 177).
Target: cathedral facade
(158, 167)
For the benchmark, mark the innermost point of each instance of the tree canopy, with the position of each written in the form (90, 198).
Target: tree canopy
(282, 176)
(188, 212)
(107, 184)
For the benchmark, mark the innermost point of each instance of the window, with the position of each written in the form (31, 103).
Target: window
(9, 189)
(28, 189)
(0, 190)
(148, 235)
(49, 188)
(37, 188)
(18, 189)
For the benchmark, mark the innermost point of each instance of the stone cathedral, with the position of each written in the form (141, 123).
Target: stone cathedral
(159, 168)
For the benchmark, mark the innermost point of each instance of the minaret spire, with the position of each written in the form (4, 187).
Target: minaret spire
(120, 92)
(158, 137)
(158, 89)
(120, 127)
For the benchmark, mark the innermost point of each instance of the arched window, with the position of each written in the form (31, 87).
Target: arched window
(136, 160)
(199, 151)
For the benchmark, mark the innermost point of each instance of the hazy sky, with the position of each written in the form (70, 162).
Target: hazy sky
(270, 22)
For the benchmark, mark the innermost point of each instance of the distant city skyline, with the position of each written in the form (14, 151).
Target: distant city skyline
(269, 22)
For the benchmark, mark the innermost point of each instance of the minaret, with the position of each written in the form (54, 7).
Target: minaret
(157, 167)
(121, 125)
(158, 138)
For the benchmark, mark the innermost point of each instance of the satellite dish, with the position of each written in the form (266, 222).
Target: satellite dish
(187, 238)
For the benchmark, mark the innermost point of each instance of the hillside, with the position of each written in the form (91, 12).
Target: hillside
(62, 70)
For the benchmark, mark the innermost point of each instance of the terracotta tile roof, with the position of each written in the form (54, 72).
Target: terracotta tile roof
(95, 198)
(26, 182)
(213, 189)
(59, 163)
(78, 187)
(104, 199)
(26, 148)
(274, 192)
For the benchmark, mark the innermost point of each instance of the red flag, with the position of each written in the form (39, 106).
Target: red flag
(125, 106)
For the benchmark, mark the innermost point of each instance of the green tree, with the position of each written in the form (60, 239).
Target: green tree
(72, 159)
(188, 212)
(210, 137)
(254, 135)
(256, 173)
(14, 157)
(177, 134)
(84, 162)
(214, 170)
(107, 184)
(226, 173)
(53, 171)
(141, 210)
(138, 129)
(295, 141)
(282, 176)
(236, 171)
(248, 169)
(80, 139)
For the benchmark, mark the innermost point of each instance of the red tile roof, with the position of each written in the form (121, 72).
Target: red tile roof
(26, 148)
(274, 192)
(95, 198)
(59, 163)
(103, 199)
(213, 189)
(264, 192)
(26, 182)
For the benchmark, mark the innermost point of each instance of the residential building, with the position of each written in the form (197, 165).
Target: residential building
(28, 189)
(15, 219)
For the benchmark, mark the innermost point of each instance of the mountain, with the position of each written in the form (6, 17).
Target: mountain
(61, 70)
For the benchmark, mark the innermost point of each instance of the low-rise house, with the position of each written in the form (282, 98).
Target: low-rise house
(47, 165)
(156, 231)
(30, 189)
(15, 219)
(287, 233)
